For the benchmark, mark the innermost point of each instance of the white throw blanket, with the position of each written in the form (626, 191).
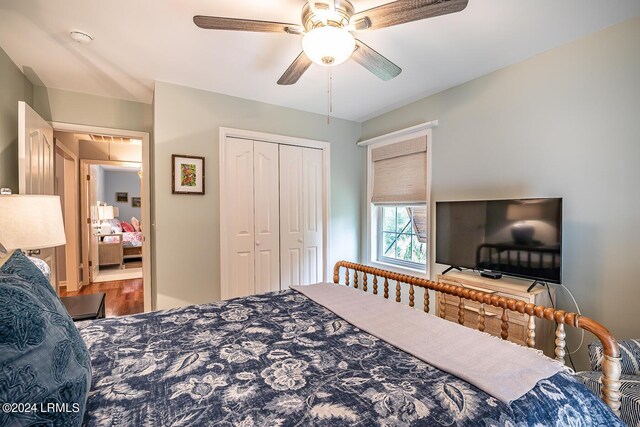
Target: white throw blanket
(502, 369)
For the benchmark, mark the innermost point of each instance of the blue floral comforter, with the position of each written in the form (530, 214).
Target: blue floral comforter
(280, 359)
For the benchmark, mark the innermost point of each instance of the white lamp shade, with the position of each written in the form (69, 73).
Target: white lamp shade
(328, 45)
(105, 212)
(524, 211)
(31, 222)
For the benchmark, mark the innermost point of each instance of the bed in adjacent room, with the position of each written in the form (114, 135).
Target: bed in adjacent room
(302, 356)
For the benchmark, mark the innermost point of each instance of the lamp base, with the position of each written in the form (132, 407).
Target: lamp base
(4, 255)
(522, 234)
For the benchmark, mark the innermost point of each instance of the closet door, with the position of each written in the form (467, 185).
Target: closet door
(291, 216)
(267, 221)
(240, 218)
(313, 253)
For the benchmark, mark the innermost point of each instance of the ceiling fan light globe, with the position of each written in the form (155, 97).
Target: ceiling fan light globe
(328, 46)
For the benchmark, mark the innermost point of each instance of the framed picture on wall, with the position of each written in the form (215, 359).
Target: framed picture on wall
(187, 175)
(135, 202)
(122, 197)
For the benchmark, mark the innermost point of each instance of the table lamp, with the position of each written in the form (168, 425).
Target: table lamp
(522, 231)
(30, 222)
(105, 213)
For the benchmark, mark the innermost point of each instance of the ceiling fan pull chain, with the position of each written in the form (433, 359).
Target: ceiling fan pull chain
(330, 93)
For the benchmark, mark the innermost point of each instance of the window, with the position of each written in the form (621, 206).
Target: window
(398, 193)
(402, 235)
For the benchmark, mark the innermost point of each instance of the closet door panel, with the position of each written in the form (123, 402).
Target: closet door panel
(313, 249)
(291, 216)
(267, 221)
(240, 217)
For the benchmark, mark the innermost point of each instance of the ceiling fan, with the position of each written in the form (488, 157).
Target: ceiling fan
(327, 27)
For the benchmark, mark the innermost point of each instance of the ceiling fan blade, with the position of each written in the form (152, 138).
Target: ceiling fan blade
(374, 62)
(233, 24)
(402, 11)
(295, 70)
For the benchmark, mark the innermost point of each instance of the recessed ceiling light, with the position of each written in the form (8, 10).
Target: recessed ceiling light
(81, 37)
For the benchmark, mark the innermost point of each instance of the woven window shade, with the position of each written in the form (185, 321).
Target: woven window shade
(400, 173)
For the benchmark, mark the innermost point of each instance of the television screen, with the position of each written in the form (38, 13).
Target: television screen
(520, 237)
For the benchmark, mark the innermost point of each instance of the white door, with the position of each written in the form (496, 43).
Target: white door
(313, 248)
(267, 226)
(36, 159)
(90, 221)
(240, 217)
(94, 222)
(291, 216)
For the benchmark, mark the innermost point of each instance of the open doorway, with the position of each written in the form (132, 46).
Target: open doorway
(112, 191)
(112, 213)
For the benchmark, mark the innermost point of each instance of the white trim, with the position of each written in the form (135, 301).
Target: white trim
(400, 135)
(370, 250)
(225, 133)
(145, 193)
(71, 248)
(124, 133)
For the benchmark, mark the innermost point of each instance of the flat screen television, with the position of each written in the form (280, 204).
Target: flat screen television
(518, 237)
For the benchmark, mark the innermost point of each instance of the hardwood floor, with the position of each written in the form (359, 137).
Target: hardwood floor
(123, 297)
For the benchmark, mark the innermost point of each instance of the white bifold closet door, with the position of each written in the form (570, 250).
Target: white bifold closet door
(253, 230)
(240, 218)
(267, 222)
(301, 222)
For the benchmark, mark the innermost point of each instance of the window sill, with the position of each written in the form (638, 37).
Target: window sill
(399, 269)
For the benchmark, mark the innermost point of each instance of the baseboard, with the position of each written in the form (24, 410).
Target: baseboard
(62, 284)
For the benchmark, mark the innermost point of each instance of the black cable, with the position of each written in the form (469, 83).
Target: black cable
(565, 343)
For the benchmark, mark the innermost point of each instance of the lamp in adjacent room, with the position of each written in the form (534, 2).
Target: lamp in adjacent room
(106, 213)
(522, 231)
(30, 222)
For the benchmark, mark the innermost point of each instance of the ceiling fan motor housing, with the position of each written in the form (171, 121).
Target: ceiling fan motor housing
(323, 15)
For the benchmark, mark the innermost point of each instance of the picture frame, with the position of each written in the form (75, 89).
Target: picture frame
(122, 197)
(187, 174)
(136, 202)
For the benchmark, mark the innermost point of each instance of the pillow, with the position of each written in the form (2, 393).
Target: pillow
(42, 266)
(43, 359)
(126, 227)
(115, 225)
(629, 351)
(135, 223)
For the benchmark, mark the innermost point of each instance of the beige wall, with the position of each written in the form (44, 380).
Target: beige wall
(187, 121)
(14, 87)
(72, 107)
(564, 123)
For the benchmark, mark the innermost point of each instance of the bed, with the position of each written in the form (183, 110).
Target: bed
(520, 260)
(286, 359)
(128, 245)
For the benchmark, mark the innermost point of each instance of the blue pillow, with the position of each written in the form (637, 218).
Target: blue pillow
(43, 359)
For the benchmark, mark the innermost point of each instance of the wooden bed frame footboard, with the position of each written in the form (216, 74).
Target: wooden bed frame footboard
(611, 367)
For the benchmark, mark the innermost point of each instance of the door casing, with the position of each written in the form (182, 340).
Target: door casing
(148, 226)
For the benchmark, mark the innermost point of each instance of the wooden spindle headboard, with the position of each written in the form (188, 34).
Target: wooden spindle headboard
(611, 367)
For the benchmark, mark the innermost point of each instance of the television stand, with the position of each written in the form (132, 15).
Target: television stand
(453, 267)
(520, 324)
(535, 283)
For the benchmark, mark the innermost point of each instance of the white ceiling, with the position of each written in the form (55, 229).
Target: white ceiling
(137, 42)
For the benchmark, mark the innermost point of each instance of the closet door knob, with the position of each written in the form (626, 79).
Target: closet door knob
(300, 240)
(257, 243)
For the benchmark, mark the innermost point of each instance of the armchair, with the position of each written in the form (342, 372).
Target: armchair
(630, 378)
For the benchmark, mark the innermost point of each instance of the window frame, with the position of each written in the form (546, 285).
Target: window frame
(380, 240)
(370, 238)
